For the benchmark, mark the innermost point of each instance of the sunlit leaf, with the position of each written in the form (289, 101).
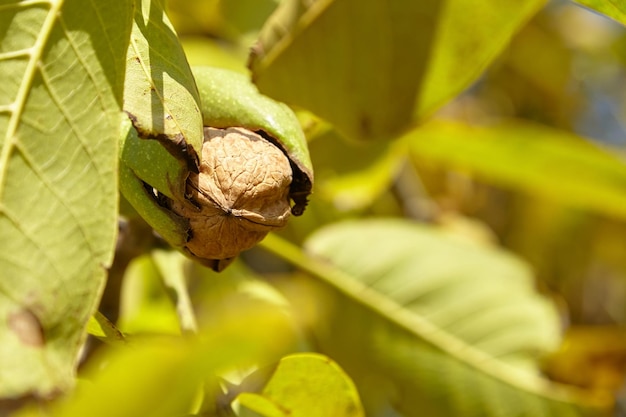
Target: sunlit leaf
(166, 293)
(145, 307)
(60, 110)
(230, 99)
(227, 294)
(551, 163)
(352, 175)
(102, 328)
(160, 97)
(304, 385)
(430, 323)
(161, 376)
(615, 9)
(171, 266)
(372, 67)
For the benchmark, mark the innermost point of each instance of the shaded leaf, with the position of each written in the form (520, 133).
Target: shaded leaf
(373, 67)
(591, 357)
(432, 324)
(60, 102)
(615, 9)
(232, 20)
(304, 385)
(551, 163)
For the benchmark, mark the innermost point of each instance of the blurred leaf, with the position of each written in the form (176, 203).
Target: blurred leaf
(593, 357)
(171, 265)
(165, 292)
(225, 295)
(352, 175)
(435, 325)
(100, 327)
(145, 307)
(304, 385)
(60, 102)
(246, 16)
(359, 189)
(551, 163)
(372, 67)
(209, 52)
(615, 9)
(485, 297)
(161, 376)
(233, 20)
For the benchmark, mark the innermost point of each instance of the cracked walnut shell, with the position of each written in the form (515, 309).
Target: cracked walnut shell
(239, 195)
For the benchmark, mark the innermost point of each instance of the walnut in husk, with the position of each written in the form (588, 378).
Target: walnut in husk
(239, 195)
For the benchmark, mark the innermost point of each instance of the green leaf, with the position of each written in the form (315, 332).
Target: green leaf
(160, 97)
(162, 102)
(60, 102)
(145, 306)
(428, 322)
(373, 67)
(353, 175)
(304, 385)
(162, 376)
(171, 266)
(99, 326)
(230, 99)
(551, 163)
(615, 9)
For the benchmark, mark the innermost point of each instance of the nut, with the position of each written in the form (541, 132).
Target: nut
(239, 195)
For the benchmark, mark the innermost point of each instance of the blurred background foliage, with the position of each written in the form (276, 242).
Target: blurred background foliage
(560, 82)
(565, 69)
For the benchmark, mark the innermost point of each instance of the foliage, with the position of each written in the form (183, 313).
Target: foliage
(459, 218)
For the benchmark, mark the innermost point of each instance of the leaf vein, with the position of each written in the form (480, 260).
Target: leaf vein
(32, 239)
(27, 81)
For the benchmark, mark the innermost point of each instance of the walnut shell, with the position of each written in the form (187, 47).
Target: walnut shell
(239, 195)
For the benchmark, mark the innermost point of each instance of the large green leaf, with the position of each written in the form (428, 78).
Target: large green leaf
(551, 163)
(304, 385)
(428, 322)
(372, 67)
(615, 9)
(60, 108)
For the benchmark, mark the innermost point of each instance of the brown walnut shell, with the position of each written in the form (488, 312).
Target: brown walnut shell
(240, 194)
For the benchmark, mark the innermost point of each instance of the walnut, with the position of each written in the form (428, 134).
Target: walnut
(240, 194)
